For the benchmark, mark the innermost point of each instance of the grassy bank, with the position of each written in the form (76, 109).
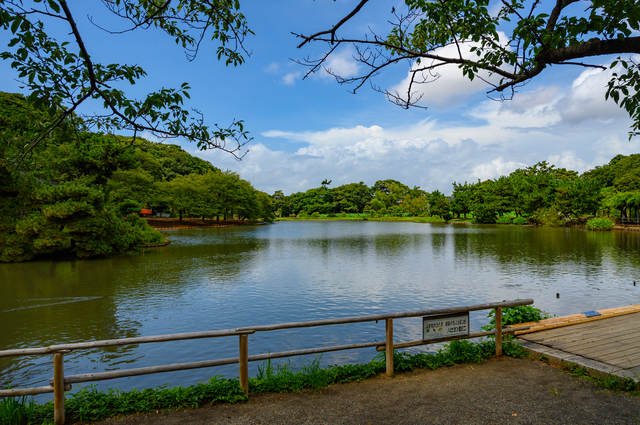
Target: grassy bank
(364, 217)
(90, 404)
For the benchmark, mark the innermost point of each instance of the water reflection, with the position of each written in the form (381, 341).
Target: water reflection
(230, 277)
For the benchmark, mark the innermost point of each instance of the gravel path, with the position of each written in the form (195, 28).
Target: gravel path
(500, 391)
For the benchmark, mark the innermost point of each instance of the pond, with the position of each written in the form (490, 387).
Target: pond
(223, 278)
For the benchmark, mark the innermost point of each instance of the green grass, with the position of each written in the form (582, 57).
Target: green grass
(17, 411)
(609, 382)
(360, 217)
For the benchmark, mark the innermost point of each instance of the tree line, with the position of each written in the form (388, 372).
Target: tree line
(78, 193)
(541, 193)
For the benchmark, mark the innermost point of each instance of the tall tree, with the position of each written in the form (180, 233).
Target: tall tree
(62, 71)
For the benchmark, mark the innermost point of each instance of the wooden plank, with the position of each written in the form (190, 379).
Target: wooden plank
(557, 322)
(58, 388)
(584, 333)
(389, 346)
(588, 327)
(18, 392)
(628, 356)
(614, 341)
(243, 361)
(449, 338)
(101, 376)
(607, 342)
(498, 332)
(377, 317)
(116, 342)
(579, 334)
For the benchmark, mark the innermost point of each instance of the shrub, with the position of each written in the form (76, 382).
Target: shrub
(128, 206)
(343, 214)
(549, 217)
(331, 215)
(482, 214)
(600, 224)
(516, 315)
(505, 219)
(520, 220)
(315, 215)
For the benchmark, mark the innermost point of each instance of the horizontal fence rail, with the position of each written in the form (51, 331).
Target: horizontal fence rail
(60, 383)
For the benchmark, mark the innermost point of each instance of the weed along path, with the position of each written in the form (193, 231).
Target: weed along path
(500, 391)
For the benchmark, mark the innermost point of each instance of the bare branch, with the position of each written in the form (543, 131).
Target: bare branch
(333, 30)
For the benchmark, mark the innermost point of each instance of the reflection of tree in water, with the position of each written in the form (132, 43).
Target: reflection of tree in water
(548, 250)
(46, 303)
(222, 254)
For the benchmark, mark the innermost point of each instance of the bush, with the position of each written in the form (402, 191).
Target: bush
(520, 220)
(600, 224)
(343, 214)
(128, 206)
(482, 214)
(315, 215)
(505, 219)
(331, 215)
(549, 217)
(516, 315)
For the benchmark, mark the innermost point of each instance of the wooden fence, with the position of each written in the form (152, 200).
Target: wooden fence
(61, 383)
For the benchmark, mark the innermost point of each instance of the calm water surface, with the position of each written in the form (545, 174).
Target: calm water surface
(211, 279)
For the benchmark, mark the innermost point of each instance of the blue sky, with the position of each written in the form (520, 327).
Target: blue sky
(305, 131)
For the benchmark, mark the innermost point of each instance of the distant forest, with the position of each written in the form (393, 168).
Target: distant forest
(79, 194)
(540, 194)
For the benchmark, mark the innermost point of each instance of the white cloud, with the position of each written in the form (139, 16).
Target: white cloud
(273, 68)
(570, 161)
(585, 101)
(342, 64)
(495, 168)
(290, 78)
(432, 154)
(333, 136)
(445, 85)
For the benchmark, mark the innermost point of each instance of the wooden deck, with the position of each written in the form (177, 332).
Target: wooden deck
(608, 344)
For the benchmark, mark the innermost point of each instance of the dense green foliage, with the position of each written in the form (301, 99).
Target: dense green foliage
(600, 223)
(541, 194)
(46, 48)
(55, 201)
(77, 194)
(622, 180)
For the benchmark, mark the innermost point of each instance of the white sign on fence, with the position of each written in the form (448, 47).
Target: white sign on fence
(445, 325)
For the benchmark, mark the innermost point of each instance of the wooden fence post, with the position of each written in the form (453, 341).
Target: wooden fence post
(389, 346)
(58, 388)
(243, 361)
(499, 332)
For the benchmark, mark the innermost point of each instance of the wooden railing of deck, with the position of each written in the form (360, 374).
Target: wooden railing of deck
(61, 383)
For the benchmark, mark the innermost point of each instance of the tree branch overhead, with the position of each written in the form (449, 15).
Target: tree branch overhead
(536, 39)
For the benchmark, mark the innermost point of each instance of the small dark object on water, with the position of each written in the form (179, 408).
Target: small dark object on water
(557, 295)
(634, 283)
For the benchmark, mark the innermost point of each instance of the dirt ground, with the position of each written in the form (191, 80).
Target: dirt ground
(174, 223)
(500, 391)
